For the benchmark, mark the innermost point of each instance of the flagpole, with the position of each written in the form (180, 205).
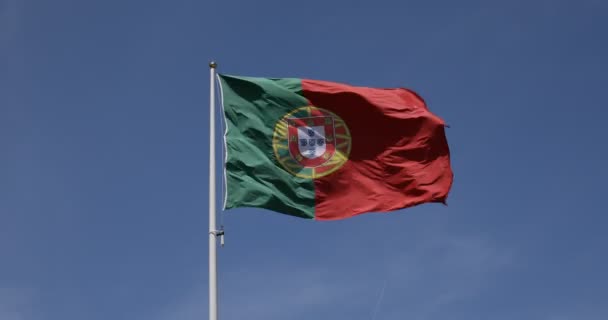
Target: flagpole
(213, 233)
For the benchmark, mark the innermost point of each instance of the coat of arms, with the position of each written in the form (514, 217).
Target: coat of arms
(311, 142)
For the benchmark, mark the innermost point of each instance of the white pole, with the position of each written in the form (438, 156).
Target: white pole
(212, 214)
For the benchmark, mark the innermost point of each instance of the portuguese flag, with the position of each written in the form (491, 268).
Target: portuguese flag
(324, 150)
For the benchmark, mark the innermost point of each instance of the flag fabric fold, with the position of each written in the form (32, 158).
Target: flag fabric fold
(327, 150)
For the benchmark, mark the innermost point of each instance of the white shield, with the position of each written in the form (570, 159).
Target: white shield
(311, 141)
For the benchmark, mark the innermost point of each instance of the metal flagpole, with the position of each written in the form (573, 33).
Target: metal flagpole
(213, 232)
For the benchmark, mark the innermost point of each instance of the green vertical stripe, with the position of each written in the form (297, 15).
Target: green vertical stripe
(254, 178)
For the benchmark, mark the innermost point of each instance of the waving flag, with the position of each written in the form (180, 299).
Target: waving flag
(326, 150)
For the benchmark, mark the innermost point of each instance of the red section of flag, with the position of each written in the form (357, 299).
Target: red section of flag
(399, 156)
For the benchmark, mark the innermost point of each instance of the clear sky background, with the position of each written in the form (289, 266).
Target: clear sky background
(104, 157)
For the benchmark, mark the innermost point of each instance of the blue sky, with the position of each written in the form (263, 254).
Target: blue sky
(103, 182)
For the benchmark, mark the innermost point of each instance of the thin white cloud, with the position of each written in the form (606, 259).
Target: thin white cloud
(283, 293)
(375, 311)
(261, 294)
(437, 271)
(15, 304)
(440, 271)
